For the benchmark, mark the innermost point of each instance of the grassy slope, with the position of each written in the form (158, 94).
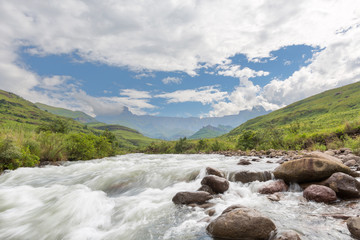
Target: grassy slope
(76, 115)
(210, 132)
(16, 112)
(323, 113)
(126, 135)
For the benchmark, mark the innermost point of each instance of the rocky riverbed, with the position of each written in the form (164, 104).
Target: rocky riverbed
(328, 178)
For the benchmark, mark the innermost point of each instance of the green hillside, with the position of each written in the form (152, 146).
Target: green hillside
(15, 110)
(127, 136)
(317, 119)
(30, 136)
(76, 115)
(210, 132)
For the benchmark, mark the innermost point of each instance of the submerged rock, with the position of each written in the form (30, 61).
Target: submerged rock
(241, 223)
(309, 169)
(319, 193)
(287, 235)
(246, 176)
(217, 184)
(213, 171)
(353, 225)
(199, 197)
(244, 162)
(344, 185)
(273, 187)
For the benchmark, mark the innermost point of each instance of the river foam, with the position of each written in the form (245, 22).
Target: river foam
(129, 197)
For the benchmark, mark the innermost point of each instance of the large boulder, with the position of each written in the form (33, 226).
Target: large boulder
(247, 176)
(353, 225)
(273, 187)
(309, 169)
(241, 223)
(213, 171)
(206, 188)
(199, 197)
(217, 184)
(319, 193)
(344, 185)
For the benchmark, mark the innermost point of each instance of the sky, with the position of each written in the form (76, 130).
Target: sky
(202, 58)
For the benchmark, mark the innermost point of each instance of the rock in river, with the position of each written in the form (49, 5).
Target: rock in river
(241, 223)
(273, 187)
(198, 197)
(213, 171)
(344, 185)
(319, 193)
(246, 176)
(353, 225)
(309, 169)
(217, 184)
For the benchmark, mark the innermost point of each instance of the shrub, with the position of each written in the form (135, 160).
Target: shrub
(10, 155)
(52, 146)
(181, 145)
(247, 140)
(56, 126)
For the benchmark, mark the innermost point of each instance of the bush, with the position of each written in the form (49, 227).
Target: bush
(247, 140)
(216, 146)
(81, 146)
(182, 145)
(52, 146)
(56, 126)
(12, 156)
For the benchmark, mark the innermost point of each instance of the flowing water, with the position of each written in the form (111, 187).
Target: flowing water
(129, 197)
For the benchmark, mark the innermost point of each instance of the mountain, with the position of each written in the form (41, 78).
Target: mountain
(210, 132)
(326, 112)
(76, 115)
(171, 128)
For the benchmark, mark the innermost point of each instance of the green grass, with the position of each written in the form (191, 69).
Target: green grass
(76, 115)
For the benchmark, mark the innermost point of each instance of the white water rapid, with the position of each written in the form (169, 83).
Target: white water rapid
(129, 198)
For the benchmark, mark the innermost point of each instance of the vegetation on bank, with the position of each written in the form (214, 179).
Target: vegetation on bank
(30, 136)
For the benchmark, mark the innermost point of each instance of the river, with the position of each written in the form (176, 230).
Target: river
(128, 197)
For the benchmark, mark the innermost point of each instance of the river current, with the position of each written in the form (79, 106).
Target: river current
(128, 197)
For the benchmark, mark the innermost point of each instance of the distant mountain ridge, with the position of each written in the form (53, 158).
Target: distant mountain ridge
(211, 132)
(76, 115)
(172, 128)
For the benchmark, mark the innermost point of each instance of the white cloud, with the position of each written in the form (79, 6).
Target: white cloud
(135, 94)
(178, 36)
(204, 95)
(287, 63)
(235, 71)
(169, 80)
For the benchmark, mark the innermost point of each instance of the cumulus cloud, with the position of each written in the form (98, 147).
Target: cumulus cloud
(236, 71)
(204, 95)
(135, 94)
(181, 36)
(169, 80)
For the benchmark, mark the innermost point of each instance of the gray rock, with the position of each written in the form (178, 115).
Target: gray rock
(344, 185)
(247, 176)
(353, 225)
(350, 163)
(309, 169)
(319, 193)
(273, 187)
(241, 223)
(287, 235)
(213, 171)
(217, 184)
(206, 188)
(191, 197)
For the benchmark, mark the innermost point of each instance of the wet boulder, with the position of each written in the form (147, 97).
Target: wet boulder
(309, 169)
(273, 187)
(206, 188)
(217, 184)
(353, 225)
(241, 223)
(213, 171)
(344, 185)
(244, 162)
(198, 197)
(287, 235)
(248, 176)
(319, 193)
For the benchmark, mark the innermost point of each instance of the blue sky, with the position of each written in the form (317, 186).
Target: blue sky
(173, 58)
